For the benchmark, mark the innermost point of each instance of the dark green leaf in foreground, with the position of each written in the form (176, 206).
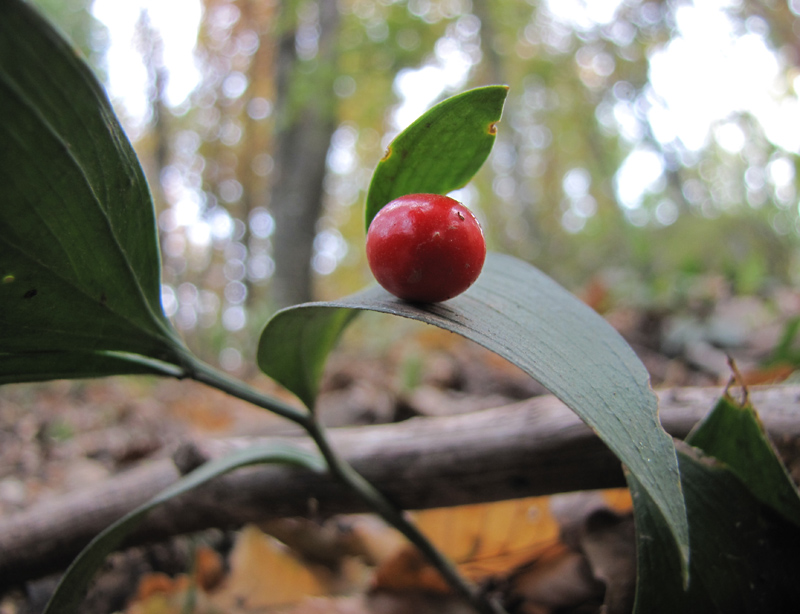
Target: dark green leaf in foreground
(79, 262)
(745, 556)
(441, 150)
(659, 585)
(733, 435)
(525, 317)
(72, 587)
(42, 366)
(743, 524)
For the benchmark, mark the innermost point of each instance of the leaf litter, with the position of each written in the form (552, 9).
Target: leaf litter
(564, 553)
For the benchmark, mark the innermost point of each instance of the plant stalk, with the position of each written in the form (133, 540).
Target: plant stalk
(201, 372)
(396, 518)
(342, 470)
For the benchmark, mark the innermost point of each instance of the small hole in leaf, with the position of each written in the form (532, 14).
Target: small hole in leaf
(387, 155)
(7, 279)
(493, 128)
(30, 293)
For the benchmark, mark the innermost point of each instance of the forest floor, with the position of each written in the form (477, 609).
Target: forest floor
(63, 436)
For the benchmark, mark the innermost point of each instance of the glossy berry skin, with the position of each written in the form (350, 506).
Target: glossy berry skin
(425, 248)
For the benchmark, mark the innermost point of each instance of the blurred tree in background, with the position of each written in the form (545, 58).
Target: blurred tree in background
(645, 146)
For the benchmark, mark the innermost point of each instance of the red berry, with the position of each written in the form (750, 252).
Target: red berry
(425, 248)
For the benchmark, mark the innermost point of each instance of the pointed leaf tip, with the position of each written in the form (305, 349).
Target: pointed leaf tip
(441, 151)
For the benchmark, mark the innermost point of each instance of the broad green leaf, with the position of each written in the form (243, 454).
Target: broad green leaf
(733, 435)
(522, 315)
(72, 586)
(79, 262)
(745, 556)
(441, 150)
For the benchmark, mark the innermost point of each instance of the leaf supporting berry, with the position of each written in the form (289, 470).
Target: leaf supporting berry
(524, 316)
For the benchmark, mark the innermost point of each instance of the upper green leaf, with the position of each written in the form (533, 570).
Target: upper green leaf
(525, 317)
(79, 261)
(441, 150)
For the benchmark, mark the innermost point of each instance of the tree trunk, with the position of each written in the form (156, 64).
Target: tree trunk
(305, 122)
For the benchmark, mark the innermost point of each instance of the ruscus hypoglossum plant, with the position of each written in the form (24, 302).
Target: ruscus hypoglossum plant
(80, 298)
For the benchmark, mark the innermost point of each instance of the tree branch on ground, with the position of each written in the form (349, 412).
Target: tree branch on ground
(535, 447)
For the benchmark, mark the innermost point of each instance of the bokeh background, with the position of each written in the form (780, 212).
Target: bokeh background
(647, 155)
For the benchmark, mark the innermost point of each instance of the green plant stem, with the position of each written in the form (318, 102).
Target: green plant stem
(342, 470)
(395, 517)
(201, 372)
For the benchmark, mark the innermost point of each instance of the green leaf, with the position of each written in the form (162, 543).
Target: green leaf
(525, 317)
(733, 435)
(441, 150)
(659, 583)
(39, 366)
(745, 557)
(785, 351)
(79, 261)
(295, 350)
(72, 586)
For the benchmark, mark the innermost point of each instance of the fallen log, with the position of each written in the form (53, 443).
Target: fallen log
(535, 447)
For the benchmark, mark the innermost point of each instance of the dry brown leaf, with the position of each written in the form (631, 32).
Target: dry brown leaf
(264, 574)
(408, 571)
(489, 539)
(208, 568)
(558, 578)
(768, 375)
(153, 584)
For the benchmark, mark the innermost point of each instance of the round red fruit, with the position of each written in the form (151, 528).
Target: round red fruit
(425, 248)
